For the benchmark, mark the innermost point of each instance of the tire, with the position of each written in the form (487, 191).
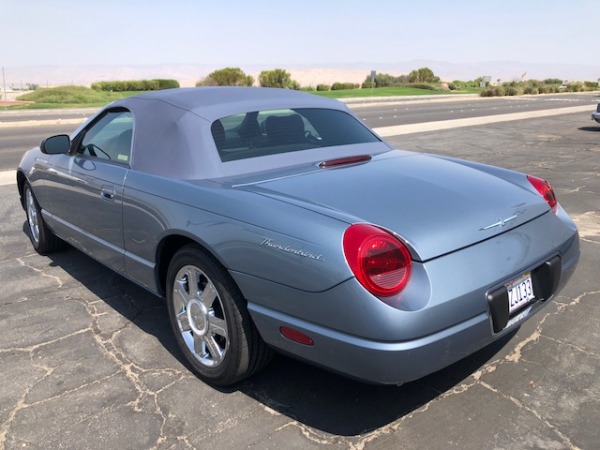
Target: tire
(44, 241)
(211, 323)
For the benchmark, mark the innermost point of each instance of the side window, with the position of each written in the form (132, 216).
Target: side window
(110, 137)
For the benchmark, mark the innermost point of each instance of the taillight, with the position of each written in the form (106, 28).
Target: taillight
(545, 190)
(379, 261)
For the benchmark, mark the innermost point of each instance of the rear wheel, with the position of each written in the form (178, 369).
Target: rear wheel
(43, 239)
(210, 320)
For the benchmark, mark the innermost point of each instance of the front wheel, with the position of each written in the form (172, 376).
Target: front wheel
(210, 320)
(42, 238)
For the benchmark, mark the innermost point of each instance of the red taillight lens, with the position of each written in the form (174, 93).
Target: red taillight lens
(380, 262)
(545, 190)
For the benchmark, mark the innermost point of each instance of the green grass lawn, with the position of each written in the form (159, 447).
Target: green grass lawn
(69, 97)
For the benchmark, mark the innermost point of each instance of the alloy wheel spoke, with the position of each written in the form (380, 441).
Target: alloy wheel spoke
(184, 321)
(199, 346)
(209, 295)
(192, 279)
(216, 352)
(180, 295)
(217, 326)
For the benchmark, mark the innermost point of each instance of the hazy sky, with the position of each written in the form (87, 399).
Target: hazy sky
(226, 32)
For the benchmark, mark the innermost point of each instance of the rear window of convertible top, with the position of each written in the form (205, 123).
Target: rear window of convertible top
(262, 133)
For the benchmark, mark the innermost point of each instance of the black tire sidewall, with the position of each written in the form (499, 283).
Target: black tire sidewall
(42, 246)
(230, 370)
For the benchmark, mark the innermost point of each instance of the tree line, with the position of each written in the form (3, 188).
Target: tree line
(280, 78)
(234, 76)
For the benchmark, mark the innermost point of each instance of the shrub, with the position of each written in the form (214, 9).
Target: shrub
(127, 86)
(530, 90)
(553, 81)
(511, 90)
(164, 83)
(495, 91)
(453, 86)
(229, 76)
(423, 75)
(337, 86)
(575, 87)
(323, 87)
(590, 85)
(384, 80)
(278, 78)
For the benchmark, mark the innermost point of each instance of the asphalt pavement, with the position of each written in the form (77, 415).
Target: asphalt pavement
(88, 359)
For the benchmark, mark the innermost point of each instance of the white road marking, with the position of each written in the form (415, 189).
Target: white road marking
(397, 130)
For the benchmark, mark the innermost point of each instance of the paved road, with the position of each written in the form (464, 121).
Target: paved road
(382, 115)
(21, 115)
(15, 140)
(88, 360)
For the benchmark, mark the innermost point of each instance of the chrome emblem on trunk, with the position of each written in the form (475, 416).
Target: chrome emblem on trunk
(501, 223)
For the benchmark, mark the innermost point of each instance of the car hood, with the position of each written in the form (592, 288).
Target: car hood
(435, 205)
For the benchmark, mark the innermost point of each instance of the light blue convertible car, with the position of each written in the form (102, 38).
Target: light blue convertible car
(276, 220)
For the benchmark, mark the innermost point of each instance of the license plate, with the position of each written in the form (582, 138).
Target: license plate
(520, 292)
(520, 316)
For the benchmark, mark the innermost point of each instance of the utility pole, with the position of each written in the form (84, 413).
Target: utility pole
(4, 83)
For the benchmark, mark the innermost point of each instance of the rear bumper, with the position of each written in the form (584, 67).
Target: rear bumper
(376, 362)
(389, 362)
(366, 339)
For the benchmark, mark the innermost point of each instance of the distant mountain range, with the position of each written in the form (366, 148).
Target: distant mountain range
(306, 74)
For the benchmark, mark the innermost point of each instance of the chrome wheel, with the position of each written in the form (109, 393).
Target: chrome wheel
(43, 239)
(32, 216)
(210, 319)
(200, 316)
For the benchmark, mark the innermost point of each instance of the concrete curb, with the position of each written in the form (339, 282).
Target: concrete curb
(38, 123)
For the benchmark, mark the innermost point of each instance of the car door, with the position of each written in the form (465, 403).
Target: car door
(85, 187)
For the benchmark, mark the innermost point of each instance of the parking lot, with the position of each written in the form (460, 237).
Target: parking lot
(88, 358)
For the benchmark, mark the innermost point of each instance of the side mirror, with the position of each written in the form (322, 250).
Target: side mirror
(56, 145)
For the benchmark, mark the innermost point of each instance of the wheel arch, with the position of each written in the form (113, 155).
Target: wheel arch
(21, 180)
(165, 251)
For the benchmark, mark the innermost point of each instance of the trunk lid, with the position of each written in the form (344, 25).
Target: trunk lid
(437, 206)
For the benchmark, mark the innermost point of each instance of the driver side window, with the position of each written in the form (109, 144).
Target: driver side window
(110, 137)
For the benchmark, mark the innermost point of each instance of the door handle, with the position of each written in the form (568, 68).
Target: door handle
(107, 193)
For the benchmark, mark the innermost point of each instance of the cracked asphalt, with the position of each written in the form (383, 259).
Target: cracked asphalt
(88, 360)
